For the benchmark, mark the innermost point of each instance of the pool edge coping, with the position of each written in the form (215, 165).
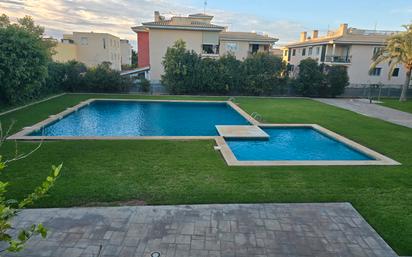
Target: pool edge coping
(222, 146)
(23, 134)
(380, 159)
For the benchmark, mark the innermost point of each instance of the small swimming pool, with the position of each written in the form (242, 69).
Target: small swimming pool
(293, 143)
(144, 118)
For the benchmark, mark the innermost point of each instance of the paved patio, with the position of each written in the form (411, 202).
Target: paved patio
(372, 110)
(330, 229)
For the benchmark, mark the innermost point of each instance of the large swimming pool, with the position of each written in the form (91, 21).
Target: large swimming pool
(298, 144)
(144, 118)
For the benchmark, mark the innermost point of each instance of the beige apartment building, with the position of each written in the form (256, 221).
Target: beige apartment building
(351, 47)
(125, 52)
(92, 49)
(200, 35)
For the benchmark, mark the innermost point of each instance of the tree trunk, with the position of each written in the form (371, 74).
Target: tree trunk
(405, 85)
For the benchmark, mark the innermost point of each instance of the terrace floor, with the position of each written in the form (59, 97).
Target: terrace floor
(324, 229)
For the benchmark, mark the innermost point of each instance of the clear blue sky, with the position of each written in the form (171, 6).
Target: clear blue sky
(387, 14)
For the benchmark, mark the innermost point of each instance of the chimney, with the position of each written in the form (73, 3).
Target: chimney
(315, 34)
(343, 28)
(156, 16)
(303, 36)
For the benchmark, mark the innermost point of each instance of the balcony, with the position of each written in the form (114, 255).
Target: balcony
(338, 59)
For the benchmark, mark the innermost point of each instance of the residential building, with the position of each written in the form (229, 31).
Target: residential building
(351, 47)
(200, 35)
(125, 52)
(89, 48)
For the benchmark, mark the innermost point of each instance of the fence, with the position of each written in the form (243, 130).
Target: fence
(364, 91)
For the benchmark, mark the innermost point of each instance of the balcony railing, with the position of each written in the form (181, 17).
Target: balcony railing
(338, 59)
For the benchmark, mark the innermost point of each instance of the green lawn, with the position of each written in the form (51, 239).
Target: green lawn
(394, 103)
(188, 172)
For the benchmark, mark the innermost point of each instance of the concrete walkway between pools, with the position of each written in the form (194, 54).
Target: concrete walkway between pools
(325, 229)
(362, 106)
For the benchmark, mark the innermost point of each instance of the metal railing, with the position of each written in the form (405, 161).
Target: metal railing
(338, 59)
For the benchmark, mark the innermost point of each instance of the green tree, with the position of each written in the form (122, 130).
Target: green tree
(181, 69)
(134, 59)
(310, 79)
(231, 74)
(262, 74)
(337, 79)
(9, 208)
(24, 57)
(398, 51)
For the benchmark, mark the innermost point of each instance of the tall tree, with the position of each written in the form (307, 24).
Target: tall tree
(398, 51)
(24, 56)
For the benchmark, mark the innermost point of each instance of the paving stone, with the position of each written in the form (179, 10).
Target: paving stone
(252, 230)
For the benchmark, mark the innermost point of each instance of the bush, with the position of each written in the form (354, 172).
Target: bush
(144, 85)
(65, 76)
(311, 79)
(187, 73)
(262, 74)
(24, 58)
(102, 79)
(337, 79)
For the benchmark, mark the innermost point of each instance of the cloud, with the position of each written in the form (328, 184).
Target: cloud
(117, 16)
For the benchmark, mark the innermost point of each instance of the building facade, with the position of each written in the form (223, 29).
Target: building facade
(125, 52)
(199, 34)
(351, 47)
(89, 48)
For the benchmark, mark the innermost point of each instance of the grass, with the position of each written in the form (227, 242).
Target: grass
(394, 103)
(188, 172)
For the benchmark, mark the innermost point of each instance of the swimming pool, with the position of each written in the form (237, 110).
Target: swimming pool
(293, 143)
(144, 118)
(222, 121)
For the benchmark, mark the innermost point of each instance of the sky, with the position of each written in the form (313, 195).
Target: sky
(281, 19)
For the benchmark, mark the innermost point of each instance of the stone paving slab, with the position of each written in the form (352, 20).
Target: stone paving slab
(241, 131)
(259, 230)
(371, 110)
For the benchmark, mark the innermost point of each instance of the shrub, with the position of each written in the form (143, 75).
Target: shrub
(144, 85)
(24, 57)
(262, 74)
(65, 76)
(102, 79)
(186, 72)
(337, 79)
(311, 79)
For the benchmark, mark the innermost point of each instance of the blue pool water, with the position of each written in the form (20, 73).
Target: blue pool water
(131, 118)
(293, 144)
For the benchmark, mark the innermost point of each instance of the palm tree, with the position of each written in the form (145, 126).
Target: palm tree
(398, 50)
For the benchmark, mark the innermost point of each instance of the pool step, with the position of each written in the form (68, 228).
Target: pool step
(251, 131)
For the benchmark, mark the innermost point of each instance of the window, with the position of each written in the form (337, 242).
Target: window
(376, 50)
(395, 72)
(303, 51)
(104, 43)
(255, 48)
(231, 47)
(376, 72)
(293, 52)
(310, 51)
(285, 53)
(210, 49)
(317, 50)
(84, 41)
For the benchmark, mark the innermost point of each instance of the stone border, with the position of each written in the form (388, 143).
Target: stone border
(23, 134)
(380, 159)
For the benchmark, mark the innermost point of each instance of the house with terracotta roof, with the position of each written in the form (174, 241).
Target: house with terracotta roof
(199, 33)
(351, 47)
